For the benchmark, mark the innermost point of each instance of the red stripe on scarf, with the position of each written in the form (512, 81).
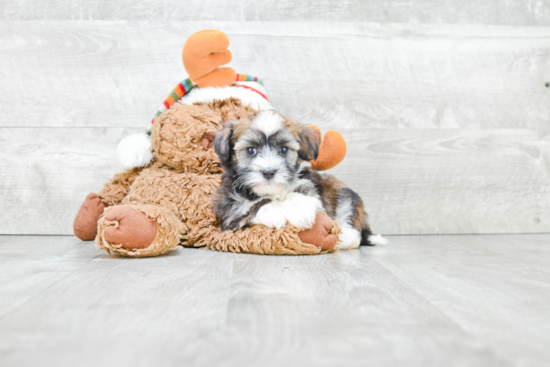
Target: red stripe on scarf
(252, 89)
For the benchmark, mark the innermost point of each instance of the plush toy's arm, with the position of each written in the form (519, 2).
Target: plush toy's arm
(118, 187)
(263, 240)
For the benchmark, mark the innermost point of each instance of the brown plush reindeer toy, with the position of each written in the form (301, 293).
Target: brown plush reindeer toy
(164, 200)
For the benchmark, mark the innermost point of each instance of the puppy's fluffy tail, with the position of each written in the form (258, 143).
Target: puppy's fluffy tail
(369, 239)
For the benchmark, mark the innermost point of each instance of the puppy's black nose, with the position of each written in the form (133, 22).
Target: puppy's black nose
(269, 173)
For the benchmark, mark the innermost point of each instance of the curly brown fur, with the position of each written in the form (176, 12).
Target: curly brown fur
(228, 109)
(176, 139)
(118, 187)
(265, 241)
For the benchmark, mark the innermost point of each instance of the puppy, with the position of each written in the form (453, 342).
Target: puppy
(267, 179)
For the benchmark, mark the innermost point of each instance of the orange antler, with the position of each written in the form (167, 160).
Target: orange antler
(203, 54)
(332, 150)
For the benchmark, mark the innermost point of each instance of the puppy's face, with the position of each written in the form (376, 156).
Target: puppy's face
(264, 152)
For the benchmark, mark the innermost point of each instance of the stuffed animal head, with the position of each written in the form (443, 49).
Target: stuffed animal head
(181, 139)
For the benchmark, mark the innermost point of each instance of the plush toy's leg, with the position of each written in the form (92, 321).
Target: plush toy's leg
(138, 230)
(85, 222)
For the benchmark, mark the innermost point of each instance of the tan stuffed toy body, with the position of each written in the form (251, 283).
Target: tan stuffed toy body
(150, 210)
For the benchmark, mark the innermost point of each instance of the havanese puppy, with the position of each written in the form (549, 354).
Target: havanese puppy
(267, 179)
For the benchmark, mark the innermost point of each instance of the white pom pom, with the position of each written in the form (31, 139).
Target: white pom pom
(134, 151)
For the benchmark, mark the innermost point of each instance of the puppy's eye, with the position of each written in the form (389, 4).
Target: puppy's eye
(283, 150)
(251, 151)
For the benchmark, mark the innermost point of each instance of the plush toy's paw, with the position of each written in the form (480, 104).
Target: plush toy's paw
(319, 235)
(332, 150)
(138, 230)
(85, 222)
(132, 229)
(203, 53)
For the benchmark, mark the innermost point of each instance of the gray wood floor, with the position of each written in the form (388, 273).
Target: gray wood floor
(420, 301)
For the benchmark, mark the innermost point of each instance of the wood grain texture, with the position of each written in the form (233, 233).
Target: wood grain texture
(505, 12)
(30, 265)
(117, 304)
(349, 75)
(412, 181)
(342, 310)
(420, 301)
(47, 173)
(451, 181)
(501, 303)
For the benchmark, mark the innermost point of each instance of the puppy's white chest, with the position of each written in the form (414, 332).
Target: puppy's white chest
(298, 209)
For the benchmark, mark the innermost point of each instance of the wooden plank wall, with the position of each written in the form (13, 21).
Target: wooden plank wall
(444, 104)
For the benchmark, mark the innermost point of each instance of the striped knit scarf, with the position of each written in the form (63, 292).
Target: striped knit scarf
(183, 88)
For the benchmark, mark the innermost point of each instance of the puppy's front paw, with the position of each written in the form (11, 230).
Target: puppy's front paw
(302, 210)
(271, 215)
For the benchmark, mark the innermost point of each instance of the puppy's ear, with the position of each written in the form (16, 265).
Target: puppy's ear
(223, 142)
(309, 144)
